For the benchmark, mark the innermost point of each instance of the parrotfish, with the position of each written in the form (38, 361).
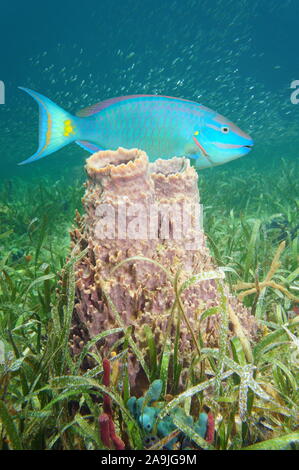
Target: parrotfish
(162, 126)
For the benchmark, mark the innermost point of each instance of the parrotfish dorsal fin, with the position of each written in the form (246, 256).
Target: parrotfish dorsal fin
(95, 108)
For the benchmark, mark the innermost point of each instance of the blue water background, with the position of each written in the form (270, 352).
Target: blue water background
(238, 57)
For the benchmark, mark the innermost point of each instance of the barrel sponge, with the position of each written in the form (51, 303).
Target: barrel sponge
(126, 185)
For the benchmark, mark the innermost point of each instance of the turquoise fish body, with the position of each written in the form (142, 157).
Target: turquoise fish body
(162, 126)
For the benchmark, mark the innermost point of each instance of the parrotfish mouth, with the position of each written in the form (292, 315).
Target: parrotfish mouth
(226, 146)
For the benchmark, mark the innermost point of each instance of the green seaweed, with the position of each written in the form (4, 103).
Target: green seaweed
(48, 402)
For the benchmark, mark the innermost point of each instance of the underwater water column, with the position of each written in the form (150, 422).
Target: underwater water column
(134, 208)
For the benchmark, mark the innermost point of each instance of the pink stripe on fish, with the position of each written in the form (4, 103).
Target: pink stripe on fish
(227, 146)
(235, 129)
(213, 127)
(200, 146)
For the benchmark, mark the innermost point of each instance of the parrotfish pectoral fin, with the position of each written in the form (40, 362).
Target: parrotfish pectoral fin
(57, 127)
(203, 161)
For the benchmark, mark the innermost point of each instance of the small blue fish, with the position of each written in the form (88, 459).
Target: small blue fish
(162, 126)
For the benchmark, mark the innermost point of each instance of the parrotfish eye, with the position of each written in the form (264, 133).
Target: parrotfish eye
(225, 129)
(196, 132)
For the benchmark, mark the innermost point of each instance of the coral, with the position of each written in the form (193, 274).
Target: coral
(133, 209)
(146, 410)
(258, 287)
(105, 429)
(209, 436)
(106, 425)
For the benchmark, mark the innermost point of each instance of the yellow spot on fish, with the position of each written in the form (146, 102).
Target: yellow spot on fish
(68, 128)
(196, 133)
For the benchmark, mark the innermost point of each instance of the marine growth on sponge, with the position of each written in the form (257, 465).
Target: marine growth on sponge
(162, 126)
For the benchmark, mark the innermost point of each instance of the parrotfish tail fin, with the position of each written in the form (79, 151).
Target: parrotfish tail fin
(56, 127)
